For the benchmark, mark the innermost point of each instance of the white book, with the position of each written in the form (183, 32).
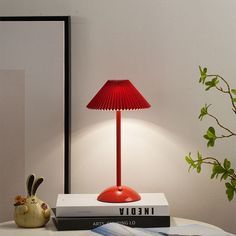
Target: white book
(87, 205)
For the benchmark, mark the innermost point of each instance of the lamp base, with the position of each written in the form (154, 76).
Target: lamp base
(119, 194)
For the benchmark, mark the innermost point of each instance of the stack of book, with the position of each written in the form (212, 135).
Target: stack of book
(84, 211)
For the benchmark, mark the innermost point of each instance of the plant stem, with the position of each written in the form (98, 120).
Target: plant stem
(225, 136)
(223, 127)
(206, 160)
(225, 91)
(209, 158)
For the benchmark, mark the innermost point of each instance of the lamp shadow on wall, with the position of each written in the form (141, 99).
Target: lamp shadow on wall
(149, 152)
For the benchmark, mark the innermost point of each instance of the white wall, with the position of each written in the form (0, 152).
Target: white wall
(158, 45)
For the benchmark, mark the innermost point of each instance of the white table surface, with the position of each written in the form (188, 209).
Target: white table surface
(10, 229)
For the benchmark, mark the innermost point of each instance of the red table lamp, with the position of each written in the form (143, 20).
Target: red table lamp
(118, 95)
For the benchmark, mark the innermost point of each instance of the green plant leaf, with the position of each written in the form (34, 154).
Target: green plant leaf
(230, 194)
(227, 164)
(233, 182)
(190, 161)
(231, 171)
(230, 190)
(211, 83)
(219, 169)
(199, 157)
(203, 74)
(187, 159)
(211, 132)
(211, 143)
(210, 136)
(203, 112)
(234, 99)
(199, 168)
(233, 91)
(224, 176)
(214, 173)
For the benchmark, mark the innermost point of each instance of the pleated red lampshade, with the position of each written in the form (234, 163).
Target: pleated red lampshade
(118, 95)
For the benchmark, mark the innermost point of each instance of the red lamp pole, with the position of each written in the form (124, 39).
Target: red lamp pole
(118, 148)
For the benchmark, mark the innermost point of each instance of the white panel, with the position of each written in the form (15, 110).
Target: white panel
(37, 47)
(12, 139)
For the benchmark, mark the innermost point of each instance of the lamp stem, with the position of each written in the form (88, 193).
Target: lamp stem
(118, 148)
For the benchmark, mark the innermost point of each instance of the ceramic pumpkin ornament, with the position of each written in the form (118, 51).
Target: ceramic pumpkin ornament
(31, 212)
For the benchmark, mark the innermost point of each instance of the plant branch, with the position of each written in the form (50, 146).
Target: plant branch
(221, 89)
(225, 136)
(213, 161)
(225, 91)
(224, 169)
(209, 158)
(223, 127)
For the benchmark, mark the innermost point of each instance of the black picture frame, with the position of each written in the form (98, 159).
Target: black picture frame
(67, 78)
